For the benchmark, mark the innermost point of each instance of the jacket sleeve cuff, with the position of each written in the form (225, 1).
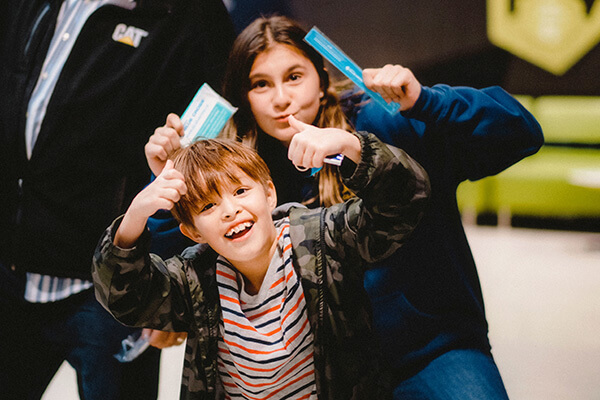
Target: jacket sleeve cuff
(358, 178)
(141, 247)
(420, 104)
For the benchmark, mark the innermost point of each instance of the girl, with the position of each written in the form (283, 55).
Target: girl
(273, 74)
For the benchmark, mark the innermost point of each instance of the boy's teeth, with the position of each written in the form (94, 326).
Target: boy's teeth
(238, 228)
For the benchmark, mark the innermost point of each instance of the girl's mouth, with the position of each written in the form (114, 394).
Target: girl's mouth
(283, 118)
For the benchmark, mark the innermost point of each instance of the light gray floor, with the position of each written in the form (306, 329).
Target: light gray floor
(542, 293)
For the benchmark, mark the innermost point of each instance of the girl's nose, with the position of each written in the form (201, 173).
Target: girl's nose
(281, 97)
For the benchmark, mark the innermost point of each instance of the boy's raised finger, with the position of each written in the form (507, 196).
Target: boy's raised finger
(169, 171)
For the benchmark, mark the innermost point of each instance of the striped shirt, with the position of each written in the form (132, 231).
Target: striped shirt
(266, 346)
(71, 18)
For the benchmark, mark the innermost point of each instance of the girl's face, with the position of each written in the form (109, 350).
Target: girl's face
(283, 82)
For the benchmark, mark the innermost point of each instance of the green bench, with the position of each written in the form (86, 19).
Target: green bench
(562, 180)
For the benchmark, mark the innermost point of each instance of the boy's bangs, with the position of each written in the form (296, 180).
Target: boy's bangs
(208, 187)
(208, 167)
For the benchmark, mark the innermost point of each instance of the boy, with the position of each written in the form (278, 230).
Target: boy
(280, 311)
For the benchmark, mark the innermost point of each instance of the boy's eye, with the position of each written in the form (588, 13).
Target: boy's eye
(241, 191)
(207, 207)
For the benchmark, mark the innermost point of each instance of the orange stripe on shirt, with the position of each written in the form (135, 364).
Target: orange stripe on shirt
(270, 310)
(300, 299)
(276, 283)
(297, 334)
(284, 228)
(255, 369)
(226, 275)
(230, 299)
(252, 351)
(298, 364)
(249, 327)
(259, 385)
(289, 276)
(306, 374)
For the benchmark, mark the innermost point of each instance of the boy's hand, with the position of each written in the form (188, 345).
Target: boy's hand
(163, 143)
(309, 147)
(394, 83)
(162, 193)
(162, 339)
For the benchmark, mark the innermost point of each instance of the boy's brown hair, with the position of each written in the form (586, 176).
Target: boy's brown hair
(207, 166)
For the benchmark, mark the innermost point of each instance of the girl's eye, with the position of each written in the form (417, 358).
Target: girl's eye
(258, 84)
(295, 77)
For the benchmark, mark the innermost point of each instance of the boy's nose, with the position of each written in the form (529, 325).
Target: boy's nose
(230, 208)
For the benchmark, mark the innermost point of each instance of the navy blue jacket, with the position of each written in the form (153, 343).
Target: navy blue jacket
(88, 161)
(427, 298)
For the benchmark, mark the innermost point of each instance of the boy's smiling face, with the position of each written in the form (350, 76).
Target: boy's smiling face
(238, 225)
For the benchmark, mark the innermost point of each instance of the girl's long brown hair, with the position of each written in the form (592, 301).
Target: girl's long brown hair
(259, 36)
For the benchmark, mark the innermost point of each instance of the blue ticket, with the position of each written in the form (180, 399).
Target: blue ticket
(205, 116)
(333, 160)
(341, 61)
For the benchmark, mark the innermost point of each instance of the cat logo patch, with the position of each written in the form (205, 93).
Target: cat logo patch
(552, 34)
(129, 35)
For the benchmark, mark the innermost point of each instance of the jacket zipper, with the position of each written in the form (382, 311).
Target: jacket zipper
(321, 267)
(321, 295)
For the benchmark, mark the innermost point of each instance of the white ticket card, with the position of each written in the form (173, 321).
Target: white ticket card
(205, 116)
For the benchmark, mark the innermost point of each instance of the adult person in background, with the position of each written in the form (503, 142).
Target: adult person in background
(83, 84)
(427, 301)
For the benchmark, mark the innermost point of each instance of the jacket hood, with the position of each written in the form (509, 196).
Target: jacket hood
(283, 210)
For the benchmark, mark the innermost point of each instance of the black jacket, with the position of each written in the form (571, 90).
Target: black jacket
(88, 161)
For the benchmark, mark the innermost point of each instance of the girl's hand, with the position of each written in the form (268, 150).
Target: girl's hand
(161, 194)
(394, 83)
(163, 143)
(309, 147)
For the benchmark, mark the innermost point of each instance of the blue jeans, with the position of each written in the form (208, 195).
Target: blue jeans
(455, 375)
(37, 338)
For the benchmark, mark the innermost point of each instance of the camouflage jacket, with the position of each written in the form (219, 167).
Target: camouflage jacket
(331, 246)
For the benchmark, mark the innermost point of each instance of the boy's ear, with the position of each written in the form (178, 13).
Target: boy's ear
(271, 195)
(191, 233)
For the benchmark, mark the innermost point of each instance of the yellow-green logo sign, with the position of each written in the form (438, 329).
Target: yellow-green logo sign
(552, 34)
